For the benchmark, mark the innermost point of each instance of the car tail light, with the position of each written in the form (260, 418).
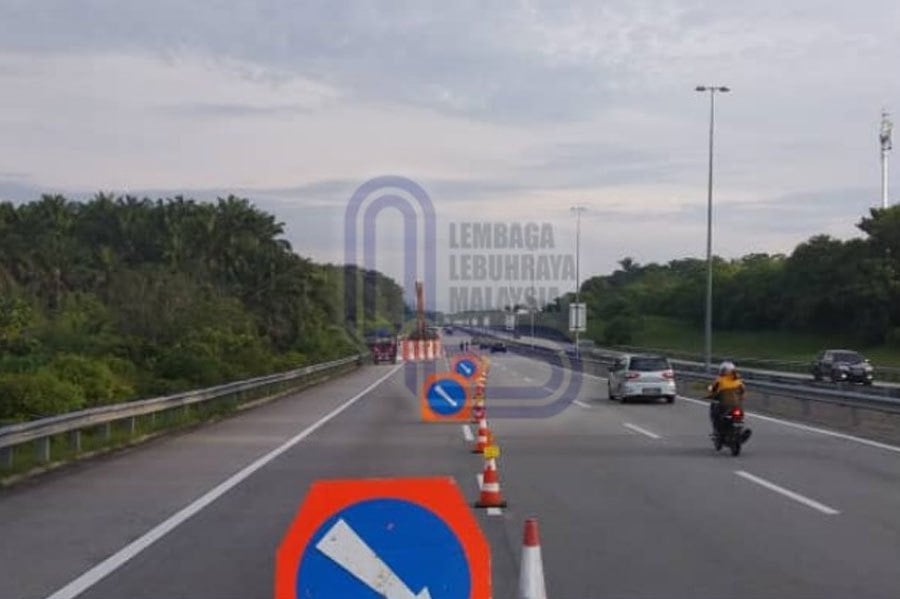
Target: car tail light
(632, 375)
(737, 414)
(668, 374)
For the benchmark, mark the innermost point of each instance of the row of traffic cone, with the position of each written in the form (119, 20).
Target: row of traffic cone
(531, 569)
(490, 494)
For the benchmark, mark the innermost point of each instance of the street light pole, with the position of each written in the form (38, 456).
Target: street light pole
(577, 210)
(712, 89)
(884, 137)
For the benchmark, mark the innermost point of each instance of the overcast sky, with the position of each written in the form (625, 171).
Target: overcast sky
(512, 112)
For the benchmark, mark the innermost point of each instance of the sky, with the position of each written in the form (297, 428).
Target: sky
(501, 111)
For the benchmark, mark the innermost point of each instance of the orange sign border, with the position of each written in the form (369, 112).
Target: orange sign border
(428, 415)
(440, 495)
(479, 365)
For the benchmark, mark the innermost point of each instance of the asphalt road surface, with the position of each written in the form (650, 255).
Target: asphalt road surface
(632, 500)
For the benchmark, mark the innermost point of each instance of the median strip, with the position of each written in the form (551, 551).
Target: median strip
(820, 507)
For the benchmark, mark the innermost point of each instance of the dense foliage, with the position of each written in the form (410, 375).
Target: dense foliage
(825, 286)
(121, 297)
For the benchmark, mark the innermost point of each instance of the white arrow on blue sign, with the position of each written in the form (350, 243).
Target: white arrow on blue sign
(446, 397)
(388, 548)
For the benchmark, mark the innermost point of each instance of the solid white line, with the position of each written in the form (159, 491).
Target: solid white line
(788, 493)
(640, 430)
(467, 433)
(578, 402)
(122, 556)
(809, 429)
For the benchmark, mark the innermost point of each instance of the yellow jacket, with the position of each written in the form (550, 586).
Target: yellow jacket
(728, 389)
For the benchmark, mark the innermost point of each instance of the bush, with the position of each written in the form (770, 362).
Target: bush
(620, 331)
(98, 383)
(36, 395)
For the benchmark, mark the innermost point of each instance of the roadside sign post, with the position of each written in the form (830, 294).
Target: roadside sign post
(407, 538)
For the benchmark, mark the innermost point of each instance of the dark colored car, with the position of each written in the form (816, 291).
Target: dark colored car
(498, 346)
(843, 365)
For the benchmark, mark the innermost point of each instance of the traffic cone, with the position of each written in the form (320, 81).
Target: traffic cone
(490, 487)
(531, 569)
(478, 411)
(483, 438)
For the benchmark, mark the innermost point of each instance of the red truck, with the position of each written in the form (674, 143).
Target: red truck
(383, 349)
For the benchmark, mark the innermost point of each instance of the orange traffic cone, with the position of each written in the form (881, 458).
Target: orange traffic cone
(478, 411)
(484, 436)
(531, 569)
(490, 487)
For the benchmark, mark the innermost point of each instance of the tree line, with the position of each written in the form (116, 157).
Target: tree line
(826, 285)
(120, 297)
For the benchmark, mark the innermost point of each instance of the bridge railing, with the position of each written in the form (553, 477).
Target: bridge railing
(133, 417)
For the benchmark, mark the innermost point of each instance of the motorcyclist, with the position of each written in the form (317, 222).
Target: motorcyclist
(726, 392)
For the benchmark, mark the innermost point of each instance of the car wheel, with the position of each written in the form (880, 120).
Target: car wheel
(868, 383)
(624, 399)
(817, 376)
(609, 391)
(670, 399)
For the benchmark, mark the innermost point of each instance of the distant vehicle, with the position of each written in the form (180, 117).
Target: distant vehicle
(448, 330)
(383, 349)
(641, 375)
(498, 346)
(483, 342)
(843, 365)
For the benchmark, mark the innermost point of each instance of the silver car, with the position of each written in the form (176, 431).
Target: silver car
(641, 375)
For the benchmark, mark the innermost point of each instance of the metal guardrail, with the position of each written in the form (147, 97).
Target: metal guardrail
(878, 399)
(73, 423)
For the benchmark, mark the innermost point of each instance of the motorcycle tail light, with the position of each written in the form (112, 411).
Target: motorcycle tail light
(737, 414)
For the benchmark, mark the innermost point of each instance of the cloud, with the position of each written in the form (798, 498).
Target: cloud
(512, 110)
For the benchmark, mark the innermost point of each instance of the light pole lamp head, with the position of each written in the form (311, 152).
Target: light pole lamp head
(700, 88)
(724, 89)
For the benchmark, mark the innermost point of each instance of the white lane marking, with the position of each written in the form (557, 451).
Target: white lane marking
(467, 433)
(807, 428)
(491, 511)
(342, 545)
(640, 430)
(578, 402)
(788, 493)
(546, 388)
(528, 379)
(122, 556)
(440, 391)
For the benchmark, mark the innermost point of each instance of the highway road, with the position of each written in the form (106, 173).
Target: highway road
(632, 500)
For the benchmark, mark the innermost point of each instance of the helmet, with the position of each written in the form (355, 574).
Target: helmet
(726, 367)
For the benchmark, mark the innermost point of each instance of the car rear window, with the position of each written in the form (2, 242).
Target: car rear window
(848, 357)
(649, 364)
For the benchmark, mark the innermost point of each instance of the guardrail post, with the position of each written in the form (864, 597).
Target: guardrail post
(42, 449)
(6, 457)
(75, 441)
(132, 425)
(106, 431)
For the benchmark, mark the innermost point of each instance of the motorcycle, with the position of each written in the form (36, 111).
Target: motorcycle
(730, 431)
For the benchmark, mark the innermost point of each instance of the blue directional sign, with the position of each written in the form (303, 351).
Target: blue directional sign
(413, 538)
(373, 546)
(466, 367)
(446, 396)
